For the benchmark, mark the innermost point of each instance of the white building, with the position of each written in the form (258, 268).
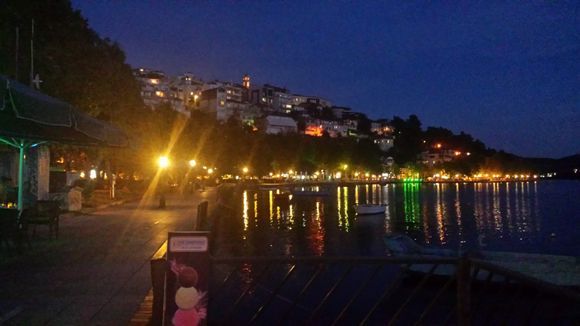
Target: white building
(157, 89)
(154, 86)
(433, 157)
(275, 124)
(334, 128)
(385, 143)
(224, 102)
(381, 127)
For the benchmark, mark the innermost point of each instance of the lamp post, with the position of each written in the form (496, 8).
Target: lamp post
(163, 163)
(345, 167)
(190, 176)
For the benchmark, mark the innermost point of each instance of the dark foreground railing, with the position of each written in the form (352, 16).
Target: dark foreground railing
(372, 290)
(360, 290)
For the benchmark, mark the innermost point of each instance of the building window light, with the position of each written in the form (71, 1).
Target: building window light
(222, 103)
(159, 94)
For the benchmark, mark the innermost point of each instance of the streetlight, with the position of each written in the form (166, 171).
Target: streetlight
(163, 162)
(245, 169)
(192, 163)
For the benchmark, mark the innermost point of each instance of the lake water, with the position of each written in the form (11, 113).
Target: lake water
(534, 217)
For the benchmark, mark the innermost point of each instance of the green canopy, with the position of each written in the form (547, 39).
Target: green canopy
(29, 118)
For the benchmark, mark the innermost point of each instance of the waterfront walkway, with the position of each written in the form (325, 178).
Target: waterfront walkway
(98, 271)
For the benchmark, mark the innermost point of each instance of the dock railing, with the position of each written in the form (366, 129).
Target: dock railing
(371, 290)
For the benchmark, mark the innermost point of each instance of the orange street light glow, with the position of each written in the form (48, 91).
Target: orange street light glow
(163, 162)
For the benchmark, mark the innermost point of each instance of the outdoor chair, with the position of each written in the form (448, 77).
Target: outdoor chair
(46, 212)
(13, 230)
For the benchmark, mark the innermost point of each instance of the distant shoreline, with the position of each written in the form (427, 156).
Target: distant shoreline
(382, 182)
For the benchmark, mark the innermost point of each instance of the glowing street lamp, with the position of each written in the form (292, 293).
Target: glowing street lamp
(192, 163)
(245, 170)
(209, 171)
(163, 162)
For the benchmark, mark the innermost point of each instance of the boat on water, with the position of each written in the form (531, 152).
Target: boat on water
(555, 269)
(369, 209)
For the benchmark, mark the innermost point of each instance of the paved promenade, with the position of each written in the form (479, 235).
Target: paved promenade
(98, 271)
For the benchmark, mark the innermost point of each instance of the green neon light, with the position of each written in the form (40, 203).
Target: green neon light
(20, 175)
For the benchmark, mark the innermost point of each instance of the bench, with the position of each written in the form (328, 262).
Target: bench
(45, 212)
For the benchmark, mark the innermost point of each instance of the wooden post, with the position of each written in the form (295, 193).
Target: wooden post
(201, 223)
(463, 291)
(158, 270)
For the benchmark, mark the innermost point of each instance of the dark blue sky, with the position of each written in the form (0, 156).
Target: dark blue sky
(507, 73)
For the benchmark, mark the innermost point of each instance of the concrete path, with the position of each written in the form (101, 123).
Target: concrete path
(98, 271)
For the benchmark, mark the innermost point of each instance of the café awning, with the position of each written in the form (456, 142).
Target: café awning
(29, 118)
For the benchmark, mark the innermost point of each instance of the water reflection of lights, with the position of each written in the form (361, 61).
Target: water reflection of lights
(508, 209)
(245, 209)
(386, 201)
(496, 210)
(342, 208)
(367, 194)
(256, 209)
(374, 189)
(411, 204)
(290, 217)
(316, 232)
(460, 226)
(441, 213)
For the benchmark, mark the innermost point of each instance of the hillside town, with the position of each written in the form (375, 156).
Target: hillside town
(265, 108)
(274, 110)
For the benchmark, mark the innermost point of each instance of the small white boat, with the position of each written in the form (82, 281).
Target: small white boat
(369, 209)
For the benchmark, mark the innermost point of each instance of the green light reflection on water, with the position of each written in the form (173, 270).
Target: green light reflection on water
(411, 204)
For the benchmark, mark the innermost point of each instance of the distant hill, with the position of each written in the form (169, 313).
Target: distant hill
(563, 167)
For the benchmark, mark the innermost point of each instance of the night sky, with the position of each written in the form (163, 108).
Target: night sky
(507, 73)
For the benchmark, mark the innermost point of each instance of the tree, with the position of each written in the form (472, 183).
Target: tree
(75, 65)
(408, 139)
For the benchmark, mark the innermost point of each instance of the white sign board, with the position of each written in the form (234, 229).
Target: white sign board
(188, 244)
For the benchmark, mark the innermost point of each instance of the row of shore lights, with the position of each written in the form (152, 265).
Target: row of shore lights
(164, 163)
